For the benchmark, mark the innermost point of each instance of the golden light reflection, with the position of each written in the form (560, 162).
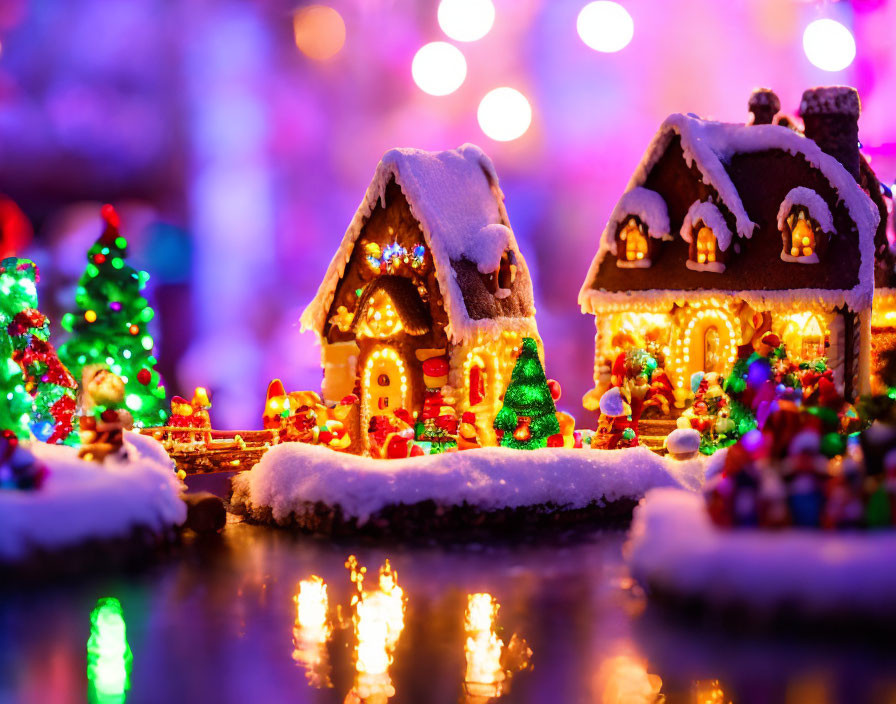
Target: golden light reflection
(484, 676)
(312, 630)
(378, 621)
(709, 692)
(625, 680)
(319, 31)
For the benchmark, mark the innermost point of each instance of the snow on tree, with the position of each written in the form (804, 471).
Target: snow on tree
(528, 417)
(39, 390)
(111, 328)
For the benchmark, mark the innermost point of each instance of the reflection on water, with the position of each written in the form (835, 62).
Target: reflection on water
(484, 675)
(378, 620)
(709, 692)
(312, 630)
(108, 654)
(625, 680)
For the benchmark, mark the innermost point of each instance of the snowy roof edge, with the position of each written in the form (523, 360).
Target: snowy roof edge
(460, 325)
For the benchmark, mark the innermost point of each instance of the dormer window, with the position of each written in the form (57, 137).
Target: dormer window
(507, 271)
(706, 231)
(635, 240)
(639, 221)
(805, 222)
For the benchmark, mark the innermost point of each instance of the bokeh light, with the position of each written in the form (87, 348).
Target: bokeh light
(319, 31)
(829, 45)
(504, 114)
(439, 68)
(466, 20)
(605, 26)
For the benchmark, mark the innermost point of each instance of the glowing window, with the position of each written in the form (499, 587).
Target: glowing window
(635, 240)
(802, 235)
(706, 245)
(507, 270)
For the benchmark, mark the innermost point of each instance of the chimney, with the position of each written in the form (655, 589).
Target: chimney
(764, 104)
(831, 119)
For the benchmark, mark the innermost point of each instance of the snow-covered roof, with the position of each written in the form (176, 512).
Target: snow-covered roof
(814, 203)
(455, 197)
(648, 205)
(706, 212)
(709, 146)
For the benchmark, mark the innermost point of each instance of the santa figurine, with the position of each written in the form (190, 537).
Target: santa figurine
(103, 421)
(200, 418)
(615, 428)
(181, 417)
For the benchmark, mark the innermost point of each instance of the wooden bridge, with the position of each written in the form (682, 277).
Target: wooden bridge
(203, 450)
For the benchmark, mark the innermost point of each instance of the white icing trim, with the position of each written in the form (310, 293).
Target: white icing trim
(803, 259)
(662, 300)
(634, 264)
(714, 267)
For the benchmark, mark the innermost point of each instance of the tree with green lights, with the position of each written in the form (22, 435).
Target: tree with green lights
(528, 417)
(111, 326)
(109, 657)
(39, 391)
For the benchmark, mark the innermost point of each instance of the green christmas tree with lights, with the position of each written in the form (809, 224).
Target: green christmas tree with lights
(110, 328)
(528, 417)
(39, 391)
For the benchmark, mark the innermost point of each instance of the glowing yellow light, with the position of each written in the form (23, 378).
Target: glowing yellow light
(312, 629)
(378, 622)
(626, 679)
(484, 674)
(319, 31)
(90, 316)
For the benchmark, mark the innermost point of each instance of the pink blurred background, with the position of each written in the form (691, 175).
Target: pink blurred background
(237, 162)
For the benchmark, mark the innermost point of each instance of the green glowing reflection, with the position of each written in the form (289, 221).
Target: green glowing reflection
(108, 654)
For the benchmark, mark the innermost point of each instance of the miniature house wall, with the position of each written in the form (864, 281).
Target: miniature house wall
(427, 298)
(749, 229)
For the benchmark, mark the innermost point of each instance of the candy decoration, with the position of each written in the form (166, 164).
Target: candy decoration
(144, 376)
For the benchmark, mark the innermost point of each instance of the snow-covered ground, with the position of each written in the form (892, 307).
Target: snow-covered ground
(82, 500)
(292, 474)
(675, 548)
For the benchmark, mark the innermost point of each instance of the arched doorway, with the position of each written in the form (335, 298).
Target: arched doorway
(709, 344)
(384, 387)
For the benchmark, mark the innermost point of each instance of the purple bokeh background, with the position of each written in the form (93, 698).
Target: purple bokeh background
(237, 162)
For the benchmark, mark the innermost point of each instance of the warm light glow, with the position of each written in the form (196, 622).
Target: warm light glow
(504, 114)
(829, 45)
(484, 673)
(635, 241)
(380, 319)
(312, 629)
(466, 20)
(605, 26)
(319, 31)
(378, 620)
(439, 68)
(625, 679)
(706, 245)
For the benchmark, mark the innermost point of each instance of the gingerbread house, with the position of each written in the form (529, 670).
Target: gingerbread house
(427, 298)
(727, 232)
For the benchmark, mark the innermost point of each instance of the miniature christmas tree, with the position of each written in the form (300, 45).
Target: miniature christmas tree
(109, 657)
(111, 328)
(529, 416)
(39, 390)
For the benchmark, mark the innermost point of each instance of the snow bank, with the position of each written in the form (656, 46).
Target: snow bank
(291, 474)
(82, 500)
(675, 548)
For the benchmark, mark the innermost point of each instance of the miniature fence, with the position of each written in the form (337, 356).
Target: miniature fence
(196, 450)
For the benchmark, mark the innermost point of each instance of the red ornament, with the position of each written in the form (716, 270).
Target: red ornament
(99, 258)
(554, 387)
(144, 376)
